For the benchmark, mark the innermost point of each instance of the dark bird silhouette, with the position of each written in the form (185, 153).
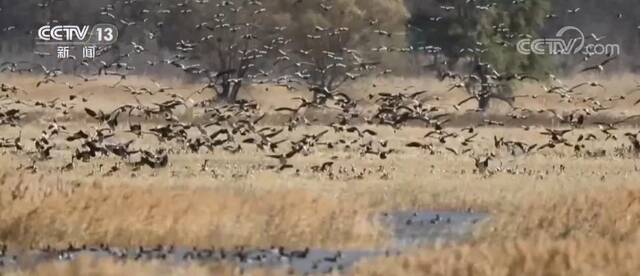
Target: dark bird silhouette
(600, 67)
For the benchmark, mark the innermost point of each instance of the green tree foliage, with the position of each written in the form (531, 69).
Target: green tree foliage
(224, 41)
(252, 37)
(481, 30)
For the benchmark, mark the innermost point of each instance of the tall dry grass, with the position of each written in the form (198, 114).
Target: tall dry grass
(104, 267)
(244, 206)
(573, 213)
(131, 214)
(595, 233)
(579, 256)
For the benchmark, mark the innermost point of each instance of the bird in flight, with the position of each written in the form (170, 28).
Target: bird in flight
(599, 67)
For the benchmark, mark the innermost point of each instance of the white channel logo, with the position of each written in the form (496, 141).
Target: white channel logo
(77, 35)
(559, 45)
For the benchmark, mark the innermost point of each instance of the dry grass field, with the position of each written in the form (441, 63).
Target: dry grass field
(553, 211)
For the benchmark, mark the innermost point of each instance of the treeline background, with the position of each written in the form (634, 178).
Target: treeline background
(411, 22)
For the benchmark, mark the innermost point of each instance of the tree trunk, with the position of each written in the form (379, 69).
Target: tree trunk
(229, 92)
(233, 95)
(225, 90)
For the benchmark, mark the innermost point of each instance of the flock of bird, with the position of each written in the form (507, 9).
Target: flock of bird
(235, 126)
(410, 228)
(305, 261)
(151, 133)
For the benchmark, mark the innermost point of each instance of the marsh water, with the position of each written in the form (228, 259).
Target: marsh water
(410, 229)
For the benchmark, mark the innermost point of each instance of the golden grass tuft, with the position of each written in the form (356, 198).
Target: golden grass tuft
(582, 219)
(131, 215)
(579, 256)
(104, 267)
(612, 214)
(588, 234)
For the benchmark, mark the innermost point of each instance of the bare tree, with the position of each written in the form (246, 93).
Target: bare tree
(334, 48)
(324, 71)
(228, 46)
